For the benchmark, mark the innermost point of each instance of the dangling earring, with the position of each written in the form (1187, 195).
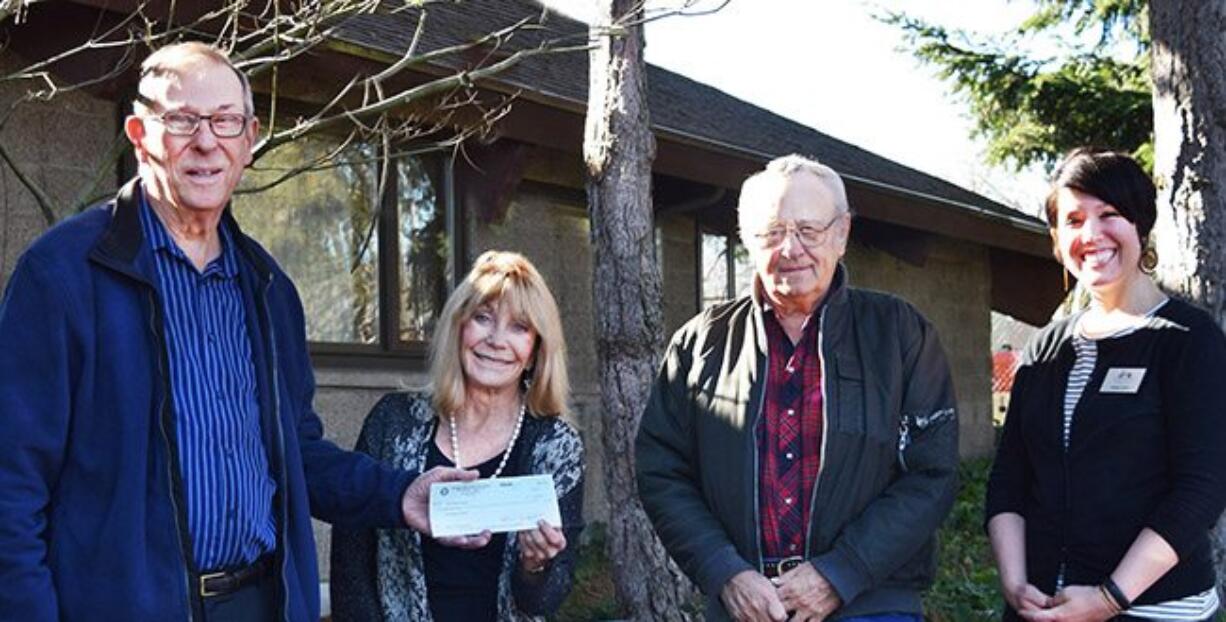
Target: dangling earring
(1065, 270)
(1149, 259)
(526, 380)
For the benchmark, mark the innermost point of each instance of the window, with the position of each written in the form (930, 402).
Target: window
(425, 251)
(726, 270)
(370, 264)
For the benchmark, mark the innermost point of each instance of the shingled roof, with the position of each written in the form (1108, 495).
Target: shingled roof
(680, 108)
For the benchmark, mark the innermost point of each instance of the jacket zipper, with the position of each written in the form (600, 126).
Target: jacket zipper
(904, 439)
(757, 473)
(821, 461)
(170, 452)
(276, 416)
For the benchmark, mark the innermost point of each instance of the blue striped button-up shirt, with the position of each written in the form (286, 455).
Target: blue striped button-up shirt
(222, 459)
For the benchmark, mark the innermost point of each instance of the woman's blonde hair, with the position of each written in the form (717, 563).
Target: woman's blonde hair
(500, 277)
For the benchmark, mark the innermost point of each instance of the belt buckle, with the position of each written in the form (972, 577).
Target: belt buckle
(204, 578)
(782, 566)
(788, 563)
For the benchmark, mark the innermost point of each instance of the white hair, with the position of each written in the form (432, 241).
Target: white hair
(785, 167)
(165, 63)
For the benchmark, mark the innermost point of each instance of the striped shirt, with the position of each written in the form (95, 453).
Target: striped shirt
(1196, 607)
(1087, 355)
(224, 466)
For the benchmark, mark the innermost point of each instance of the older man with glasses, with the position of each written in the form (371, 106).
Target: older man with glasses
(160, 457)
(799, 449)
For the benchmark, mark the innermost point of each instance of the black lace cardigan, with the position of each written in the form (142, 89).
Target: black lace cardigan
(377, 574)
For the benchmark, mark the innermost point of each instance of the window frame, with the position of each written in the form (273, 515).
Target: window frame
(388, 350)
(730, 242)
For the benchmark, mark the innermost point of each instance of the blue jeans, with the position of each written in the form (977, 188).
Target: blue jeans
(886, 617)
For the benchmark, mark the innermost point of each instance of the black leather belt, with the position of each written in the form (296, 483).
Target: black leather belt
(779, 567)
(230, 581)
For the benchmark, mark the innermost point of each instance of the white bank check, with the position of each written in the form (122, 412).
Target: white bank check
(499, 505)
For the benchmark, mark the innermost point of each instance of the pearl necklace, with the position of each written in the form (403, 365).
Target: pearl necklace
(506, 454)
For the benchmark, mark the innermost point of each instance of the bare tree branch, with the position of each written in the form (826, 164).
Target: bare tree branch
(90, 193)
(436, 87)
(261, 35)
(329, 161)
(40, 197)
(324, 162)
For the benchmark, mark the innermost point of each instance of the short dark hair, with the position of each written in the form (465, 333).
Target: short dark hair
(1112, 177)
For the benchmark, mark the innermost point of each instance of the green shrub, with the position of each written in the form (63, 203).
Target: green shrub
(966, 585)
(593, 596)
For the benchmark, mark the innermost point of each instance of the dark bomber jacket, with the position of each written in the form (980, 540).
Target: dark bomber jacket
(890, 449)
(1153, 458)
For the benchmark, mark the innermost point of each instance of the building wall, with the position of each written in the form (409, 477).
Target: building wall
(343, 397)
(953, 290)
(553, 233)
(59, 145)
(679, 267)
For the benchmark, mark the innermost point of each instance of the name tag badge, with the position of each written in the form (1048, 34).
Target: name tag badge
(1123, 380)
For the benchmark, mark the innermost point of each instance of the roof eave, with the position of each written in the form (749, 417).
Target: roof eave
(1019, 223)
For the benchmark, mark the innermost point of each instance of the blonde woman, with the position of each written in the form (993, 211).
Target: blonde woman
(499, 386)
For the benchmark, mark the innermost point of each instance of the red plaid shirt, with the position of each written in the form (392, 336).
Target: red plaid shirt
(789, 437)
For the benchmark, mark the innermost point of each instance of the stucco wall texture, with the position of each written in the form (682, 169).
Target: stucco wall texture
(60, 146)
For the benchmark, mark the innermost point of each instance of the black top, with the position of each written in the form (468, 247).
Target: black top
(381, 575)
(462, 584)
(1150, 457)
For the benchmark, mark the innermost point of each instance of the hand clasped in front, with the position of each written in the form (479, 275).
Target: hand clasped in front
(802, 591)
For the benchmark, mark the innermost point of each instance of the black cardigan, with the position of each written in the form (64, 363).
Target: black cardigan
(1156, 458)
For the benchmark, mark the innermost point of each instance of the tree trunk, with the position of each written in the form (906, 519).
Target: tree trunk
(618, 151)
(1190, 162)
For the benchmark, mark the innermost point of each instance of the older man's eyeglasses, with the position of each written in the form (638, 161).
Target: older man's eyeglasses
(223, 124)
(810, 233)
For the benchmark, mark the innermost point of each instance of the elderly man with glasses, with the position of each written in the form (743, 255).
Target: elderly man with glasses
(160, 457)
(799, 449)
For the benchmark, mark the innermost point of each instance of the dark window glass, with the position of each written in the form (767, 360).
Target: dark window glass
(320, 224)
(315, 205)
(726, 269)
(714, 269)
(424, 250)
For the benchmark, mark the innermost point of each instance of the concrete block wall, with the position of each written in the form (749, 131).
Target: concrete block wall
(343, 397)
(553, 235)
(59, 145)
(953, 290)
(679, 268)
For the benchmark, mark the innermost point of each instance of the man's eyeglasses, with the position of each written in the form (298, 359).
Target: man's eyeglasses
(223, 124)
(810, 233)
